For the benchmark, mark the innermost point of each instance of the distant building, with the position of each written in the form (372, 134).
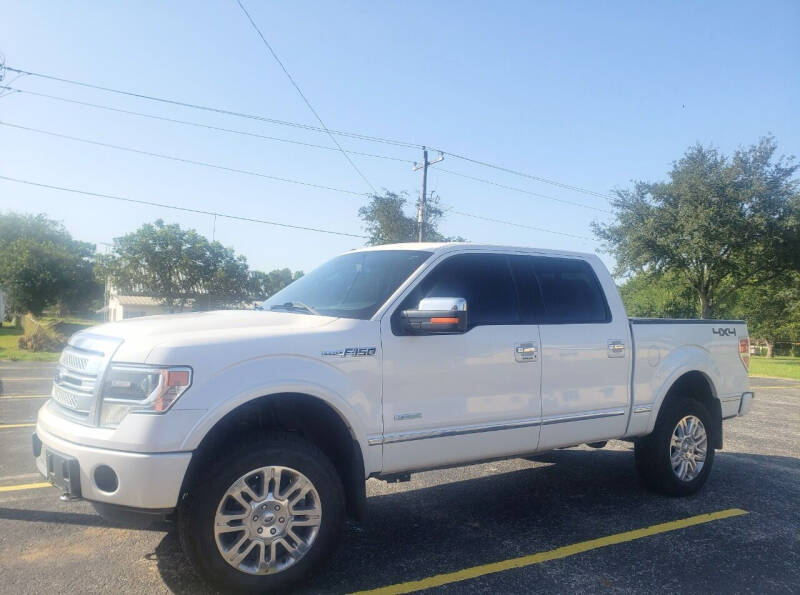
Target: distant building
(122, 307)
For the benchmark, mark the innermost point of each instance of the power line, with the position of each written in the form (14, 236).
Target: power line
(196, 124)
(504, 222)
(247, 172)
(285, 140)
(530, 176)
(353, 135)
(177, 208)
(181, 159)
(217, 110)
(302, 95)
(522, 190)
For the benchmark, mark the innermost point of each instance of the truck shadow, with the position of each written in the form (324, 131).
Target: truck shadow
(566, 497)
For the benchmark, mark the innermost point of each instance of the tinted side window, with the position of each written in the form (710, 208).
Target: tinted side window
(570, 291)
(484, 280)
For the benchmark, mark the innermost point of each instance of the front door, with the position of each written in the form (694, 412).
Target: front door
(453, 398)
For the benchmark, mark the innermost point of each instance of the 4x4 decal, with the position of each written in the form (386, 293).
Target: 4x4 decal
(724, 331)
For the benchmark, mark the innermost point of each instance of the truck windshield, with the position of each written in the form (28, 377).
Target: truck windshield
(351, 286)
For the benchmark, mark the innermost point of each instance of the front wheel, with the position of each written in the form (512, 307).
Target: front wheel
(677, 457)
(263, 515)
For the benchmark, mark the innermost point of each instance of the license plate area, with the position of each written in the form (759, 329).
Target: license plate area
(63, 472)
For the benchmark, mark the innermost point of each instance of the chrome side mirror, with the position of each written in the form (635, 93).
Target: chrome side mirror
(437, 316)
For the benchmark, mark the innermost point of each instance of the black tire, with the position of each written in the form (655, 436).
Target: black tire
(197, 510)
(652, 452)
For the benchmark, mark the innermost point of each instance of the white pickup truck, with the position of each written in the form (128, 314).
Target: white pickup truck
(256, 430)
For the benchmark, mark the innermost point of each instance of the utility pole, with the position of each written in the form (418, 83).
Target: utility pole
(424, 196)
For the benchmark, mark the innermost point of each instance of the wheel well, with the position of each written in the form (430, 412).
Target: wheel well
(697, 385)
(307, 416)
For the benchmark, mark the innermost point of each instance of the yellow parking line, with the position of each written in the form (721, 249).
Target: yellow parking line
(9, 426)
(25, 486)
(562, 552)
(16, 378)
(24, 396)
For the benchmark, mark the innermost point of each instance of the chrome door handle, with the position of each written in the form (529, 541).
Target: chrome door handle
(616, 349)
(526, 352)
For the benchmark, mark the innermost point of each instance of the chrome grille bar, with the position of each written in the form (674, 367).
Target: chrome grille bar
(79, 375)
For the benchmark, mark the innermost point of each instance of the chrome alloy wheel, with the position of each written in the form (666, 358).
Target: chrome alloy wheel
(267, 520)
(688, 447)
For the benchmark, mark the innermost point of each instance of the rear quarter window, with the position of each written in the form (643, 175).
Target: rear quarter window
(570, 291)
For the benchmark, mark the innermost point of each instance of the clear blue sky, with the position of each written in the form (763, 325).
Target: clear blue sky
(591, 94)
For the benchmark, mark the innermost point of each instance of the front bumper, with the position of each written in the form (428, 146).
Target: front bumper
(143, 480)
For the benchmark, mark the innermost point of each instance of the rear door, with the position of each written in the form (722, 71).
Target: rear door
(585, 356)
(468, 396)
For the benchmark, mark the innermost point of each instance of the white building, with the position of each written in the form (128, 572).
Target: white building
(122, 307)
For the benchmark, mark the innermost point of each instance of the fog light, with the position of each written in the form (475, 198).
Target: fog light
(105, 479)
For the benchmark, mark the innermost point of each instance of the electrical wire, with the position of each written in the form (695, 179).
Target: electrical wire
(235, 170)
(353, 135)
(178, 208)
(522, 190)
(217, 110)
(530, 176)
(505, 222)
(303, 96)
(196, 124)
(181, 159)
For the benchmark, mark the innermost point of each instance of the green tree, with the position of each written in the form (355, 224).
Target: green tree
(658, 295)
(178, 267)
(719, 223)
(772, 309)
(263, 285)
(387, 223)
(42, 266)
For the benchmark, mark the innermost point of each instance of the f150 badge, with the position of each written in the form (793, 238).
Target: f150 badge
(350, 352)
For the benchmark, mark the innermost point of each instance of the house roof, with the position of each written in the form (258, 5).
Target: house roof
(137, 300)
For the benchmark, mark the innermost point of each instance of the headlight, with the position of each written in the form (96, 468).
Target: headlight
(144, 389)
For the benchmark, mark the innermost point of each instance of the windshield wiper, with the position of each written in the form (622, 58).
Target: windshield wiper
(295, 307)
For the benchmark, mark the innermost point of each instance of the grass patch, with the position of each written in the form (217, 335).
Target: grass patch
(777, 367)
(9, 338)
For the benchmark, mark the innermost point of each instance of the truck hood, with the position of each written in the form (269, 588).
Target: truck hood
(141, 335)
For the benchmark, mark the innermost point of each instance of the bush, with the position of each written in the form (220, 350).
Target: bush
(40, 336)
(796, 351)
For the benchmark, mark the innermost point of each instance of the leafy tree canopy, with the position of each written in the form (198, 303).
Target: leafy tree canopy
(263, 285)
(654, 295)
(42, 266)
(720, 223)
(772, 309)
(386, 222)
(177, 266)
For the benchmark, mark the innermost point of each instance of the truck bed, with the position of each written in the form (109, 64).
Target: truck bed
(666, 348)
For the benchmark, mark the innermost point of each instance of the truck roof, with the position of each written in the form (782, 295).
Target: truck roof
(449, 246)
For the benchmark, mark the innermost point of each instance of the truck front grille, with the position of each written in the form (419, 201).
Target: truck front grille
(79, 375)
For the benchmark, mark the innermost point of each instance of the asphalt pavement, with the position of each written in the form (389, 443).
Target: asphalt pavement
(457, 519)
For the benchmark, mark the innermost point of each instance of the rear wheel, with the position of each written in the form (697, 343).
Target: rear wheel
(263, 515)
(677, 457)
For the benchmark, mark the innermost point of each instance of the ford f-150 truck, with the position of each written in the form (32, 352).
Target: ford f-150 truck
(256, 430)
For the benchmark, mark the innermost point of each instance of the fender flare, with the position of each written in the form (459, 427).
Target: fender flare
(279, 386)
(691, 358)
